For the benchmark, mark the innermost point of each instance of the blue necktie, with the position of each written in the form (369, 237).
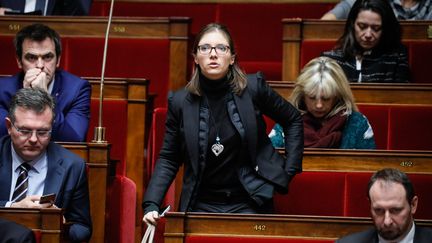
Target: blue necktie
(40, 5)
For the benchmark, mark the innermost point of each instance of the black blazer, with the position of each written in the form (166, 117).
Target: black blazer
(181, 141)
(421, 235)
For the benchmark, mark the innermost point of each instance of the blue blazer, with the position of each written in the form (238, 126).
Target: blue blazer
(57, 7)
(66, 177)
(72, 96)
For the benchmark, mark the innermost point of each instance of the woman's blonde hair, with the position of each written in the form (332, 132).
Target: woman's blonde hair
(322, 76)
(235, 75)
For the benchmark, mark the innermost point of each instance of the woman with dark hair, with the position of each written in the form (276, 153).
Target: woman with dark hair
(403, 9)
(215, 127)
(370, 50)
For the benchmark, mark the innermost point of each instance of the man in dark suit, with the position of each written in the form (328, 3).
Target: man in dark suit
(393, 205)
(54, 7)
(38, 52)
(13, 232)
(50, 168)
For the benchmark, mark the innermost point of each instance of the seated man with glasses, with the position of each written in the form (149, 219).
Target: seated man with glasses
(38, 52)
(31, 165)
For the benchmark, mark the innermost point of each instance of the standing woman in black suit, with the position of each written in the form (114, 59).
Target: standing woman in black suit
(215, 127)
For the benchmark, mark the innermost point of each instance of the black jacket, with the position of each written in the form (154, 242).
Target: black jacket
(182, 141)
(421, 235)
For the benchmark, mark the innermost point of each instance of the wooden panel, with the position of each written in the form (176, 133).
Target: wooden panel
(47, 221)
(181, 225)
(97, 158)
(136, 27)
(410, 93)
(367, 160)
(135, 91)
(331, 30)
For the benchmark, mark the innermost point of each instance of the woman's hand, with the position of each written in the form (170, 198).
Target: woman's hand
(151, 218)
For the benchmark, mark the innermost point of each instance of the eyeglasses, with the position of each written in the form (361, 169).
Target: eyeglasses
(32, 58)
(220, 49)
(28, 133)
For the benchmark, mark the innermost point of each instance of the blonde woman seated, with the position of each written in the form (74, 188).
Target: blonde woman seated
(330, 117)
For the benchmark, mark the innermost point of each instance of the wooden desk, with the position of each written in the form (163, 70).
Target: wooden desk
(411, 93)
(180, 226)
(419, 162)
(48, 222)
(97, 157)
(295, 31)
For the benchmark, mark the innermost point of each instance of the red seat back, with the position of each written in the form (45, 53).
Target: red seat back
(306, 198)
(410, 128)
(115, 121)
(378, 117)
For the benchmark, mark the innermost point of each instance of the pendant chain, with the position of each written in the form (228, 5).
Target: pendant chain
(217, 147)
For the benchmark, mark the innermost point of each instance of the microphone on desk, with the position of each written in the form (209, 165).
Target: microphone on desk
(99, 131)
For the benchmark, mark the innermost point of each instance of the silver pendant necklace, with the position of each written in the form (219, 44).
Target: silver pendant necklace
(217, 148)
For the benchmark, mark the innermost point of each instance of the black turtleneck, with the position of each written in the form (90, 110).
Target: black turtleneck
(220, 172)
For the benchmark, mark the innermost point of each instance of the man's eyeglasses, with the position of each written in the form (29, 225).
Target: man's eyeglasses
(28, 133)
(220, 49)
(32, 58)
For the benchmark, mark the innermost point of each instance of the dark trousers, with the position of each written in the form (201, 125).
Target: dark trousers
(11, 232)
(221, 203)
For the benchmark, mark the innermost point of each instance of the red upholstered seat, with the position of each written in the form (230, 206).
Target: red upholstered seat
(271, 70)
(115, 121)
(269, 124)
(422, 186)
(378, 117)
(129, 58)
(410, 127)
(313, 48)
(7, 50)
(37, 235)
(357, 204)
(313, 193)
(156, 135)
(120, 216)
(418, 53)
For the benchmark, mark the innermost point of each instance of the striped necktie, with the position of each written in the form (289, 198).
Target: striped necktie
(21, 185)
